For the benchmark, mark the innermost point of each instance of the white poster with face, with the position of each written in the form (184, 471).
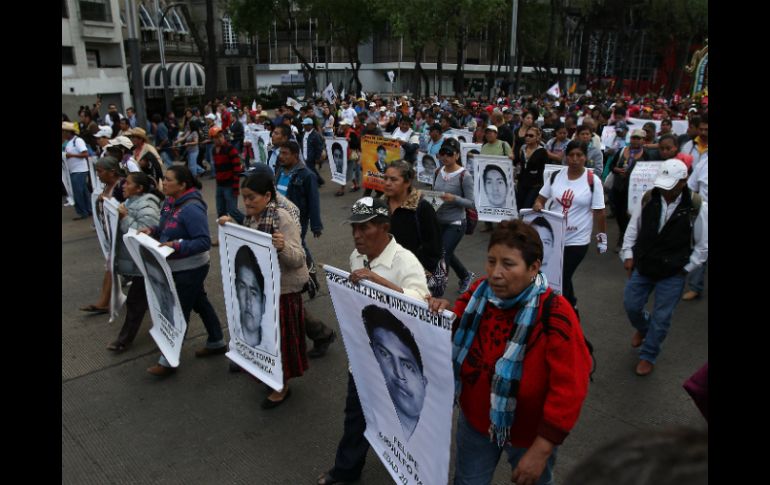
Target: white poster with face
(169, 325)
(433, 197)
(551, 227)
(66, 180)
(426, 168)
(259, 142)
(494, 193)
(337, 152)
(467, 152)
(400, 357)
(102, 223)
(251, 281)
(549, 169)
(110, 218)
(463, 136)
(96, 184)
(608, 136)
(641, 180)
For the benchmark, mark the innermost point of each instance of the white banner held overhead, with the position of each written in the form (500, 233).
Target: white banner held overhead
(169, 325)
(337, 152)
(426, 166)
(494, 192)
(641, 180)
(329, 94)
(293, 103)
(554, 90)
(551, 227)
(400, 355)
(251, 281)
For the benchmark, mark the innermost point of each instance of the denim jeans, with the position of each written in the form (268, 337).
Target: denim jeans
(477, 457)
(227, 204)
(80, 193)
(192, 161)
(451, 235)
(696, 278)
(352, 448)
(573, 255)
(192, 296)
(168, 160)
(210, 158)
(653, 326)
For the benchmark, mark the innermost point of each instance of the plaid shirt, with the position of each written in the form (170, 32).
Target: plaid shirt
(228, 167)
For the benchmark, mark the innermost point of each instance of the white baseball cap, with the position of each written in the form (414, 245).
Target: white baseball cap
(104, 132)
(491, 127)
(670, 173)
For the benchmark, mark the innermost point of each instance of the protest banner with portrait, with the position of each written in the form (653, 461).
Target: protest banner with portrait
(494, 191)
(551, 227)
(337, 150)
(376, 154)
(641, 180)
(471, 149)
(169, 325)
(550, 168)
(105, 222)
(463, 136)
(433, 197)
(96, 184)
(251, 282)
(66, 180)
(425, 167)
(259, 140)
(400, 357)
(109, 221)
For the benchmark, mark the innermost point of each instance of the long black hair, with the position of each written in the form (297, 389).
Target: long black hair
(147, 183)
(183, 175)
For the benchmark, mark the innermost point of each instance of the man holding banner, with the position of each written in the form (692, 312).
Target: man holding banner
(380, 259)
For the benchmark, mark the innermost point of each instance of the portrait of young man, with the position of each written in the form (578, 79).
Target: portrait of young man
(158, 284)
(338, 157)
(249, 291)
(495, 185)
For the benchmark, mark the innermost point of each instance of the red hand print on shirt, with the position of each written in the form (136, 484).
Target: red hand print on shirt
(566, 200)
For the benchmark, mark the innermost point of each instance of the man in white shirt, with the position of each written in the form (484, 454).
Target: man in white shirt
(380, 259)
(403, 134)
(77, 165)
(658, 255)
(348, 113)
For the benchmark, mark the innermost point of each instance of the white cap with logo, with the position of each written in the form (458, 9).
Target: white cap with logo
(670, 173)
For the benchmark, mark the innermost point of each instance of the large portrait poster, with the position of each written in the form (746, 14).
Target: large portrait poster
(110, 220)
(551, 227)
(400, 355)
(251, 281)
(66, 180)
(463, 136)
(641, 180)
(494, 193)
(259, 142)
(168, 323)
(337, 152)
(376, 154)
(105, 222)
(467, 152)
(550, 168)
(426, 167)
(96, 184)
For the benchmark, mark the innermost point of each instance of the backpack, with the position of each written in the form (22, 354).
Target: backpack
(471, 215)
(545, 317)
(590, 179)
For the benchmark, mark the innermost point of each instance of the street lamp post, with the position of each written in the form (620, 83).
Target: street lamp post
(163, 73)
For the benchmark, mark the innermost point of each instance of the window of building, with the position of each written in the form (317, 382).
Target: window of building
(99, 10)
(233, 75)
(145, 19)
(228, 34)
(92, 56)
(67, 56)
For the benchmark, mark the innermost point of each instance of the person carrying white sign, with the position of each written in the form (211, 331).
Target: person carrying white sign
(380, 259)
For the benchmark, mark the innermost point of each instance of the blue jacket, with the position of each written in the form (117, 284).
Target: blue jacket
(184, 219)
(303, 192)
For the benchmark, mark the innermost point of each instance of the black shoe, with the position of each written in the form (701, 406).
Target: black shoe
(320, 347)
(268, 404)
(207, 352)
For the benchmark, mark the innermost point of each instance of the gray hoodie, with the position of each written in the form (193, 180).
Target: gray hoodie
(143, 211)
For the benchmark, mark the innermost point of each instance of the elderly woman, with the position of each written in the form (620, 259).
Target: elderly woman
(521, 364)
(266, 215)
(121, 148)
(146, 156)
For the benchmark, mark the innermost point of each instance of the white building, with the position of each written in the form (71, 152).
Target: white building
(93, 59)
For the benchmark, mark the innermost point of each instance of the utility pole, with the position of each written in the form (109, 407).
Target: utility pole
(514, 19)
(137, 80)
(161, 50)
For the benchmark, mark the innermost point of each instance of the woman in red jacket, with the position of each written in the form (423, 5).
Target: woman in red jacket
(520, 377)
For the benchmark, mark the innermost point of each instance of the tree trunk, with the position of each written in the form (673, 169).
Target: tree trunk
(460, 71)
(355, 65)
(519, 69)
(585, 43)
(212, 77)
(421, 74)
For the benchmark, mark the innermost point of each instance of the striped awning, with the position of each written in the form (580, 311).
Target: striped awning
(186, 76)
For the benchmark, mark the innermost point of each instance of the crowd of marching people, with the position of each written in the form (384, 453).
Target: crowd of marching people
(402, 243)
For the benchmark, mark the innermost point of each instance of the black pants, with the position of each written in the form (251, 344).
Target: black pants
(315, 328)
(368, 192)
(573, 255)
(619, 202)
(136, 307)
(352, 449)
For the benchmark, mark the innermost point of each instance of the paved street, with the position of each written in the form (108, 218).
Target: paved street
(204, 425)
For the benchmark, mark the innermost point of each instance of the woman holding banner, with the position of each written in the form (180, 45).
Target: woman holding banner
(520, 343)
(264, 214)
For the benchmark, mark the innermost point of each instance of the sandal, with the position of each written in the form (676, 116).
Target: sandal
(117, 347)
(94, 309)
(327, 479)
(355, 189)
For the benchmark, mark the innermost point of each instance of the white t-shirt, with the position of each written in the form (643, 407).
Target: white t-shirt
(76, 146)
(402, 135)
(131, 165)
(579, 211)
(699, 179)
(349, 114)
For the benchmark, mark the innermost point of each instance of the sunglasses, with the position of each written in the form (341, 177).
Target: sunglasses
(446, 151)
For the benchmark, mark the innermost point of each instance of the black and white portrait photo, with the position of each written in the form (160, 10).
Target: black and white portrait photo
(494, 191)
(337, 152)
(400, 357)
(550, 227)
(426, 168)
(467, 152)
(381, 162)
(251, 282)
(157, 282)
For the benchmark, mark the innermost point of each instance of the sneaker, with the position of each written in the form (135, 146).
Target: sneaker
(466, 283)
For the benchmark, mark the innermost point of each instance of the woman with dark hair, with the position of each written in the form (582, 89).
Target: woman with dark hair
(264, 214)
(183, 226)
(532, 158)
(520, 136)
(578, 194)
(413, 221)
(141, 208)
(520, 343)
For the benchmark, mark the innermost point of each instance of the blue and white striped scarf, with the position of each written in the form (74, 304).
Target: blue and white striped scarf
(505, 382)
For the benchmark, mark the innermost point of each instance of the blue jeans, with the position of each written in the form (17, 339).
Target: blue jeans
(80, 193)
(653, 326)
(451, 236)
(192, 296)
(227, 204)
(168, 160)
(696, 278)
(477, 457)
(210, 158)
(192, 161)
